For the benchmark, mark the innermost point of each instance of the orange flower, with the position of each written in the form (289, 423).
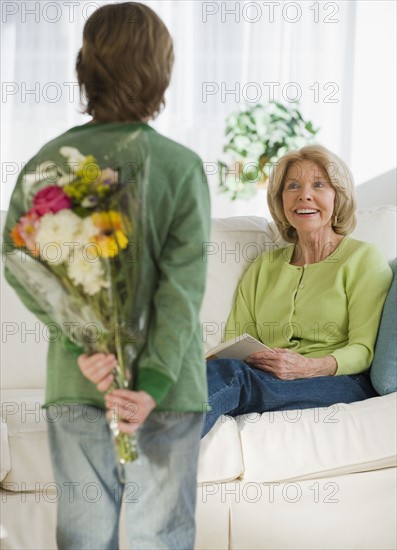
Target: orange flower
(111, 237)
(24, 233)
(17, 237)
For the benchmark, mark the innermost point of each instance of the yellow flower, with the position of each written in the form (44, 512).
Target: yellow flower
(111, 237)
(88, 171)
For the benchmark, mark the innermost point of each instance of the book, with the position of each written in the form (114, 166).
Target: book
(237, 348)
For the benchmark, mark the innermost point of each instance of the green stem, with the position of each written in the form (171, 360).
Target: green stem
(126, 445)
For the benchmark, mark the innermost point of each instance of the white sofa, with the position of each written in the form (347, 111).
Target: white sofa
(318, 478)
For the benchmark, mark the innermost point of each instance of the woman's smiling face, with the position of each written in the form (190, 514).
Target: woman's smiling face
(308, 198)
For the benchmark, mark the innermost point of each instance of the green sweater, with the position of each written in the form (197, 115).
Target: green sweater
(171, 366)
(331, 307)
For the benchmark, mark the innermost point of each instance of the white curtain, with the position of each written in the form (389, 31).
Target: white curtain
(227, 53)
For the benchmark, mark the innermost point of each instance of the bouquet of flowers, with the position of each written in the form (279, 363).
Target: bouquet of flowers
(81, 236)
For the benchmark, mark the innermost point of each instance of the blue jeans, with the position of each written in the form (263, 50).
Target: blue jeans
(159, 490)
(235, 388)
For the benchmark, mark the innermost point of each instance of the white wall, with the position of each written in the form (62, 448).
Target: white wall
(374, 107)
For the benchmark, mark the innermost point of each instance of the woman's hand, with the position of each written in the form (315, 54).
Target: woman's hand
(130, 407)
(98, 369)
(289, 365)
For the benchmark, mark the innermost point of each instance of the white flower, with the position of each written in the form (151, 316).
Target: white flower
(72, 154)
(255, 150)
(87, 230)
(74, 157)
(58, 235)
(65, 179)
(242, 142)
(88, 274)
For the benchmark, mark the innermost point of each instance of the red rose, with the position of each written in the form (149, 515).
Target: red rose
(50, 199)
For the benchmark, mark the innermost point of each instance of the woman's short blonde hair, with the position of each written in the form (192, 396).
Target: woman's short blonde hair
(340, 177)
(125, 64)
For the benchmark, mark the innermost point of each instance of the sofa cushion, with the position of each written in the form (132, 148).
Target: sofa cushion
(356, 511)
(377, 225)
(220, 453)
(27, 463)
(26, 443)
(24, 343)
(312, 443)
(384, 365)
(235, 243)
(5, 460)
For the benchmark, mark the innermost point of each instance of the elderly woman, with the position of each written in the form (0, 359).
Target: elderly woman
(317, 302)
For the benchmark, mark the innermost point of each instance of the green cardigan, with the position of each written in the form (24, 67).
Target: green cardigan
(171, 366)
(331, 307)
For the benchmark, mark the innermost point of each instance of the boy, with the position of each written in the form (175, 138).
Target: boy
(124, 68)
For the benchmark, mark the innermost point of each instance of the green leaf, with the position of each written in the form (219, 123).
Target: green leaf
(281, 107)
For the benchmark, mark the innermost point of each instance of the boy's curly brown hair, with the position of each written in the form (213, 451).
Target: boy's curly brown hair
(125, 64)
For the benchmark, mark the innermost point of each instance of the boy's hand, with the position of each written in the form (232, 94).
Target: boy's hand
(98, 369)
(130, 407)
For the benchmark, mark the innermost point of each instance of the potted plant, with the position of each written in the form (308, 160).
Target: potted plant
(257, 137)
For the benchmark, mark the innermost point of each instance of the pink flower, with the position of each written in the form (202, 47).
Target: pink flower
(50, 199)
(27, 229)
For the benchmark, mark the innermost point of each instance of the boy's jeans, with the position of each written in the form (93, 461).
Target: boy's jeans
(160, 487)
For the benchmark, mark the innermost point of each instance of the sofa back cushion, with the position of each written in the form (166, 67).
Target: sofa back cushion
(235, 243)
(384, 365)
(378, 226)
